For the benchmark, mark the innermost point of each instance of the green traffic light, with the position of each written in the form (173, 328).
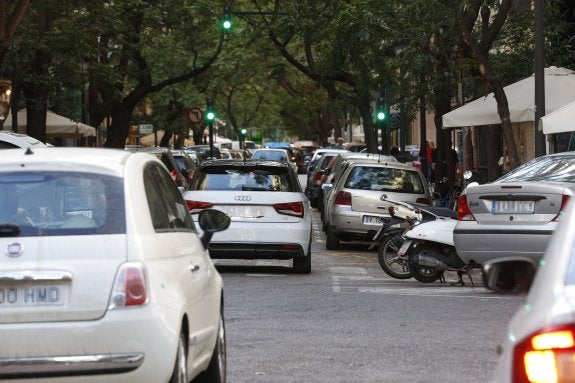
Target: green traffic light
(227, 24)
(380, 116)
(210, 116)
(243, 132)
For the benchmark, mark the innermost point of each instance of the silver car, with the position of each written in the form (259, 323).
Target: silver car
(516, 214)
(539, 344)
(358, 204)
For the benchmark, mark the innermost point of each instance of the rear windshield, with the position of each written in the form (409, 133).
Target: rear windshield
(247, 179)
(559, 168)
(61, 203)
(389, 179)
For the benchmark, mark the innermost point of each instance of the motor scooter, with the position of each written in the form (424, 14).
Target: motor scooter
(391, 236)
(430, 251)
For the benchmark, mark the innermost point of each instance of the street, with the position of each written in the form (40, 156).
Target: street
(349, 322)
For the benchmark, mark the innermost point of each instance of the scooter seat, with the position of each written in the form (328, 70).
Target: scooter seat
(437, 210)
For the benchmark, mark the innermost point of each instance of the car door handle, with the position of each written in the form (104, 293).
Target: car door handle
(194, 268)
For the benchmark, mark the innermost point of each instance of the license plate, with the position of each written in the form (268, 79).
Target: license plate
(403, 249)
(513, 207)
(244, 212)
(26, 296)
(372, 220)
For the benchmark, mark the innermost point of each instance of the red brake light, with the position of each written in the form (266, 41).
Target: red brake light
(463, 212)
(546, 356)
(564, 201)
(130, 287)
(197, 206)
(343, 198)
(290, 208)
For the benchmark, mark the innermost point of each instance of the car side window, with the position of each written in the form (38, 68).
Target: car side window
(167, 208)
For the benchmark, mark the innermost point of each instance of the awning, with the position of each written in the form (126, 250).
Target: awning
(559, 121)
(56, 125)
(559, 91)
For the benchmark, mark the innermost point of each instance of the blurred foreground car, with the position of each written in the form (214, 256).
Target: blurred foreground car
(10, 140)
(516, 214)
(104, 277)
(270, 214)
(539, 345)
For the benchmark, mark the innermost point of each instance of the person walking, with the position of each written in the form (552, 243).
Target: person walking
(339, 143)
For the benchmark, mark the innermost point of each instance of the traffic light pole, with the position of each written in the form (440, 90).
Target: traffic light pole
(211, 138)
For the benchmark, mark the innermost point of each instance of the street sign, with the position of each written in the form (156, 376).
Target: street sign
(195, 115)
(146, 128)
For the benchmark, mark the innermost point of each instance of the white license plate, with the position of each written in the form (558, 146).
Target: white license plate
(403, 249)
(513, 207)
(45, 295)
(372, 220)
(241, 212)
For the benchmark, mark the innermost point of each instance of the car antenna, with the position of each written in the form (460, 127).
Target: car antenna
(28, 151)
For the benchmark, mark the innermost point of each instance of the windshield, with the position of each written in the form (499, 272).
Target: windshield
(557, 168)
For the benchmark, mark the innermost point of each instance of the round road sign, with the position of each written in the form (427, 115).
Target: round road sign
(195, 115)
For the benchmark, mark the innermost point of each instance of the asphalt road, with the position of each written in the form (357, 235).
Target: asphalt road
(348, 321)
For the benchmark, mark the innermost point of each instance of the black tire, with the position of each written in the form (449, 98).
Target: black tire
(217, 369)
(331, 241)
(422, 273)
(302, 265)
(179, 375)
(395, 266)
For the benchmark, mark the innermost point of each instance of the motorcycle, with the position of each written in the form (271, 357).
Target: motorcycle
(391, 236)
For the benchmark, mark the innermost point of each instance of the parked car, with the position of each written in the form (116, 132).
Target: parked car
(341, 163)
(539, 344)
(165, 155)
(317, 155)
(313, 186)
(281, 155)
(357, 207)
(104, 276)
(271, 217)
(516, 214)
(10, 140)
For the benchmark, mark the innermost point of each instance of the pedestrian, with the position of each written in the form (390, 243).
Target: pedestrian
(339, 143)
(430, 154)
(394, 151)
(504, 163)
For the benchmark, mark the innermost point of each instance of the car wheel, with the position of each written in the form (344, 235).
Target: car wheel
(302, 265)
(332, 240)
(179, 375)
(216, 371)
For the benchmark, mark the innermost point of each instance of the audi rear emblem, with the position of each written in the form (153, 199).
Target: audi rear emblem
(242, 198)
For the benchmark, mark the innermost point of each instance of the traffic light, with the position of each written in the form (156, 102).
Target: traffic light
(210, 113)
(227, 19)
(380, 114)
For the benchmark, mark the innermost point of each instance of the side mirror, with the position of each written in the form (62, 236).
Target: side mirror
(509, 276)
(211, 221)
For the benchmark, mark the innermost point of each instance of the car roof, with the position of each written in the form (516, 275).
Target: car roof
(18, 140)
(239, 163)
(106, 159)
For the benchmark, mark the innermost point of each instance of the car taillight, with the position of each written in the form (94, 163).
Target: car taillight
(130, 287)
(564, 201)
(197, 206)
(343, 198)
(547, 356)
(463, 212)
(290, 208)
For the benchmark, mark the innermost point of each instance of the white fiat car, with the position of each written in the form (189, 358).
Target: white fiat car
(103, 275)
(270, 214)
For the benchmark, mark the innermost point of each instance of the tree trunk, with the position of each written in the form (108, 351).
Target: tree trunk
(120, 128)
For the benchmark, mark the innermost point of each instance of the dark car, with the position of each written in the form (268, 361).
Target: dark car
(165, 155)
(204, 152)
(187, 165)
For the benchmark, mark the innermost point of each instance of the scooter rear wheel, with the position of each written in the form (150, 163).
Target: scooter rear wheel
(394, 265)
(425, 274)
